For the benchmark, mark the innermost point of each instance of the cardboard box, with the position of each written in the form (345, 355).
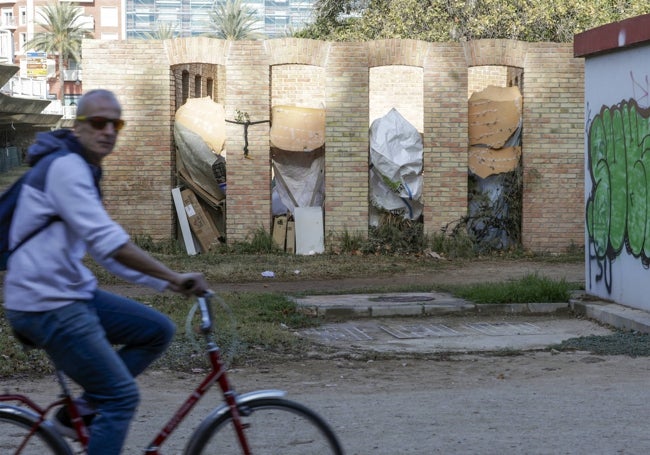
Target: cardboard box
(280, 231)
(291, 237)
(201, 224)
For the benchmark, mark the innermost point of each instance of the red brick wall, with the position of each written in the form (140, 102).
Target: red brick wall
(355, 82)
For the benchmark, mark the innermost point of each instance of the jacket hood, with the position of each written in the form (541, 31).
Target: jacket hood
(51, 142)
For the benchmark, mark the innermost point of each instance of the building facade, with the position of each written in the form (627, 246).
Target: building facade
(277, 18)
(118, 20)
(19, 22)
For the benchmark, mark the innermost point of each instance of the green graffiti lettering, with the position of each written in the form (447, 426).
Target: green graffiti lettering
(618, 207)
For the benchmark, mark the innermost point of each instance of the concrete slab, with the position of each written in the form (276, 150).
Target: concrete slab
(452, 334)
(389, 304)
(438, 322)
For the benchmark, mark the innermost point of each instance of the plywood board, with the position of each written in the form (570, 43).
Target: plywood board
(186, 231)
(310, 238)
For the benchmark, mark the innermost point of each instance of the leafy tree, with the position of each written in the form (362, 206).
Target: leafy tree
(61, 36)
(457, 20)
(234, 21)
(163, 30)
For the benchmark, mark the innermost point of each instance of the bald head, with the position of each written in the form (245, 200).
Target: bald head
(92, 97)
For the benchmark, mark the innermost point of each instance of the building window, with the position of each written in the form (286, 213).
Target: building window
(8, 17)
(197, 86)
(23, 15)
(185, 86)
(109, 16)
(209, 87)
(109, 36)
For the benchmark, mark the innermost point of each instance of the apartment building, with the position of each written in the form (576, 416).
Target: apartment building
(191, 17)
(119, 19)
(19, 21)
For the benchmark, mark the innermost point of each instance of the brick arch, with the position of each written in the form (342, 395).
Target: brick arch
(500, 52)
(397, 52)
(198, 49)
(297, 51)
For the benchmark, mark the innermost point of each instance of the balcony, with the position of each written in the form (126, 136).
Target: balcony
(26, 87)
(8, 23)
(72, 75)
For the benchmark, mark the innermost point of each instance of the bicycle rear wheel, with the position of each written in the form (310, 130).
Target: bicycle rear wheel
(19, 434)
(273, 426)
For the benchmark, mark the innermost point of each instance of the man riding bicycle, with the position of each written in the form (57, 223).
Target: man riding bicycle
(52, 299)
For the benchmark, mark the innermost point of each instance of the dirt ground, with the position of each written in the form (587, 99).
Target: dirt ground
(453, 273)
(531, 403)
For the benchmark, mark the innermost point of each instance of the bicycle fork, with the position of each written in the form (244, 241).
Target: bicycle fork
(236, 412)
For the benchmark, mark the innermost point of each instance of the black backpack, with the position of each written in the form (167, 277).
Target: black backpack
(8, 201)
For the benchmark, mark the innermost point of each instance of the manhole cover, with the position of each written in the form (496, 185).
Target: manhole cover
(406, 331)
(339, 333)
(504, 328)
(402, 298)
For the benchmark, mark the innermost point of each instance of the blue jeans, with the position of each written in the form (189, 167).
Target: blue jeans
(79, 339)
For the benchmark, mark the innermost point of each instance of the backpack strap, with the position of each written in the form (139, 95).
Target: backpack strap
(33, 233)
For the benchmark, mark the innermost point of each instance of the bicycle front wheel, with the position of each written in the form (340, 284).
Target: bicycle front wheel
(21, 435)
(272, 426)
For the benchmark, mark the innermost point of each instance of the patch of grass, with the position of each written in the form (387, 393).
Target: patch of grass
(250, 327)
(260, 241)
(253, 326)
(17, 360)
(529, 289)
(458, 245)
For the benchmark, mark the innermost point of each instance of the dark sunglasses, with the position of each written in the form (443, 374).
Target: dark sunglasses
(99, 123)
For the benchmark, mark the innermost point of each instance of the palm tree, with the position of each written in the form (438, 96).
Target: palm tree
(163, 30)
(62, 35)
(234, 21)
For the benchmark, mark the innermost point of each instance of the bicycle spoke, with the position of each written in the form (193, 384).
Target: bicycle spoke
(16, 438)
(273, 427)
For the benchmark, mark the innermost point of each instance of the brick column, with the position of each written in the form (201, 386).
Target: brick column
(445, 136)
(139, 173)
(249, 177)
(553, 150)
(346, 132)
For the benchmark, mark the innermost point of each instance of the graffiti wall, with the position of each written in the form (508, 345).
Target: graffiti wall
(617, 164)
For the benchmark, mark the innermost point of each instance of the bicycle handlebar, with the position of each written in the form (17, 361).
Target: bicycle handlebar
(205, 305)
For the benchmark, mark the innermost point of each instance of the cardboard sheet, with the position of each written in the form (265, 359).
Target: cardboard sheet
(494, 115)
(297, 129)
(484, 161)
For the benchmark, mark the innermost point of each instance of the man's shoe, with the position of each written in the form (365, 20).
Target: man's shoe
(63, 423)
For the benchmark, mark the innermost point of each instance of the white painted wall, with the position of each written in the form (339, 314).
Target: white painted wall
(613, 81)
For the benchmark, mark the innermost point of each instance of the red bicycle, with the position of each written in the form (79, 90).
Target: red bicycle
(259, 422)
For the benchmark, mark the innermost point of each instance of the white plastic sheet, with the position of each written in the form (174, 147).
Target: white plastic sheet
(299, 179)
(396, 155)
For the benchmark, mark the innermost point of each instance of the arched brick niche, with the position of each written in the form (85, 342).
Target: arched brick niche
(551, 82)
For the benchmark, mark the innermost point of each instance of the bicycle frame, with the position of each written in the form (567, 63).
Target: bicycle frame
(233, 402)
(217, 374)
(39, 414)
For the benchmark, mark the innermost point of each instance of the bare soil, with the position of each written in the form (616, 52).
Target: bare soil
(453, 273)
(530, 403)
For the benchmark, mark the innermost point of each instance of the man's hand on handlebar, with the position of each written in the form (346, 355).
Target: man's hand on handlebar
(190, 284)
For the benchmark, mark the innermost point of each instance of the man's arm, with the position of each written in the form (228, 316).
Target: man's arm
(132, 256)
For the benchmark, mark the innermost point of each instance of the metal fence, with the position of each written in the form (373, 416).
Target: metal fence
(10, 157)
